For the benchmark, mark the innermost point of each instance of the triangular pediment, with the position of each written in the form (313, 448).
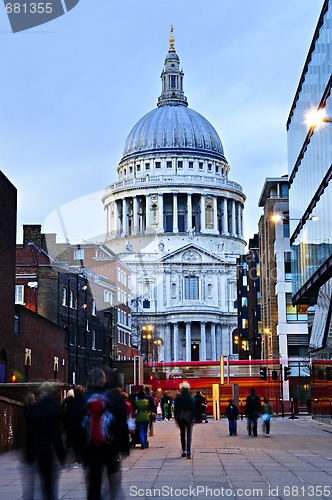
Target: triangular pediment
(192, 254)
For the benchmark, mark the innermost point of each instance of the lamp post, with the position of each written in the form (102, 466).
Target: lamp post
(147, 336)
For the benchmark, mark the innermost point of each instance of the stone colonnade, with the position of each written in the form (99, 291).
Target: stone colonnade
(175, 213)
(193, 341)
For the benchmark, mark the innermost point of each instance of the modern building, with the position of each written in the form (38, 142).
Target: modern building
(247, 340)
(8, 203)
(284, 325)
(310, 173)
(176, 219)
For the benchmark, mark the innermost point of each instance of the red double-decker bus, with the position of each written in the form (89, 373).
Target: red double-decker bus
(201, 375)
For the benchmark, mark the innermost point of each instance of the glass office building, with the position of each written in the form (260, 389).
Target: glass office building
(310, 171)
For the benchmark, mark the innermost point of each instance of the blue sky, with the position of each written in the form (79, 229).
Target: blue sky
(72, 89)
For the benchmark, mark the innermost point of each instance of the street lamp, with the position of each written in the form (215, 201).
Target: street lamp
(147, 336)
(279, 216)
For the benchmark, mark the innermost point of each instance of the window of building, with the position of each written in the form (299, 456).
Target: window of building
(191, 288)
(244, 280)
(130, 170)
(158, 164)
(19, 294)
(295, 313)
(285, 225)
(138, 167)
(124, 338)
(64, 296)
(119, 337)
(258, 298)
(217, 169)
(244, 324)
(244, 301)
(180, 164)
(119, 274)
(79, 254)
(93, 340)
(124, 278)
(209, 167)
(94, 310)
(200, 165)
(71, 299)
(169, 164)
(288, 267)
(191, 164)
(147, 166)
(124, 318)
(119, 316)
(284, 190)
(173, 83)
(125, 298)
(146, 304)
(17, 325)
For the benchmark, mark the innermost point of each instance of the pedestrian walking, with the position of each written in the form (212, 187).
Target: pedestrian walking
(106, 436)
(152, 409)
(46, 448)
(73, 417)
(142, 418)
(184, 414)
(266, 415)
(232, 413)
(252, 409)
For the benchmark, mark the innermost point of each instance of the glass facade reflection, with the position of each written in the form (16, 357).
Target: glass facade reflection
(310, 160)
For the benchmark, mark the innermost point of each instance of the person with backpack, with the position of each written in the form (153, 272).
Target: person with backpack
(106, 436)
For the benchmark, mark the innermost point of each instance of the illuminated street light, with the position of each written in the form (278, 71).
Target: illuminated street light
(316, 117)
(279, 216)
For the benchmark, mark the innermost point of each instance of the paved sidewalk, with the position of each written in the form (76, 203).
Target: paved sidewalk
(294, 462)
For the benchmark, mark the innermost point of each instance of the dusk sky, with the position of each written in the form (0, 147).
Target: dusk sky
(72, 89)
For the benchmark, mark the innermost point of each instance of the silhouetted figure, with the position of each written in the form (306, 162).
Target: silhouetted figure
(45, 441)
(252, 408)
(75, 410)
(266, 415)
(232, 413)
(184, 413)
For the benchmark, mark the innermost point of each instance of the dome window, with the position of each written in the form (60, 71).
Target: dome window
(138, 167)
(217, 169)
(158, 164)
(169, 164)
(209, 167)
(147, 166)
(191, 164)
(200, 165)
(180, 164)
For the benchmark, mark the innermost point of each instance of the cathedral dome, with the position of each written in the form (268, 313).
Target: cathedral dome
(173, 127)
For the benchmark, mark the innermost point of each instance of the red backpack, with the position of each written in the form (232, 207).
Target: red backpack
(99, 421)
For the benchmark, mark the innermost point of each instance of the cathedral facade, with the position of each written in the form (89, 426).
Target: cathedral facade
(176, 220)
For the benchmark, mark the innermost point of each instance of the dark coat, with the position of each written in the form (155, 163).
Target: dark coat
(232, 412)
(184, 404)
(253, 405)
(43, 423)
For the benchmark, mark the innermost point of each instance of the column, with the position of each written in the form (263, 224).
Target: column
(176, 341)
(215, 215)
(116, 219)
(213, 342)
(241, 226)
(188, 341)
(161, 212)
(168, 343)
(135, 215)
(233, 232)
(189, 209)
(225, 218)
(124, 217)
(175, 213)
(202, 213)
(162, 346)
(147, 214)
(203, 342)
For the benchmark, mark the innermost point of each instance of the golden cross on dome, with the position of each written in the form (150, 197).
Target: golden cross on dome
(171, 40)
